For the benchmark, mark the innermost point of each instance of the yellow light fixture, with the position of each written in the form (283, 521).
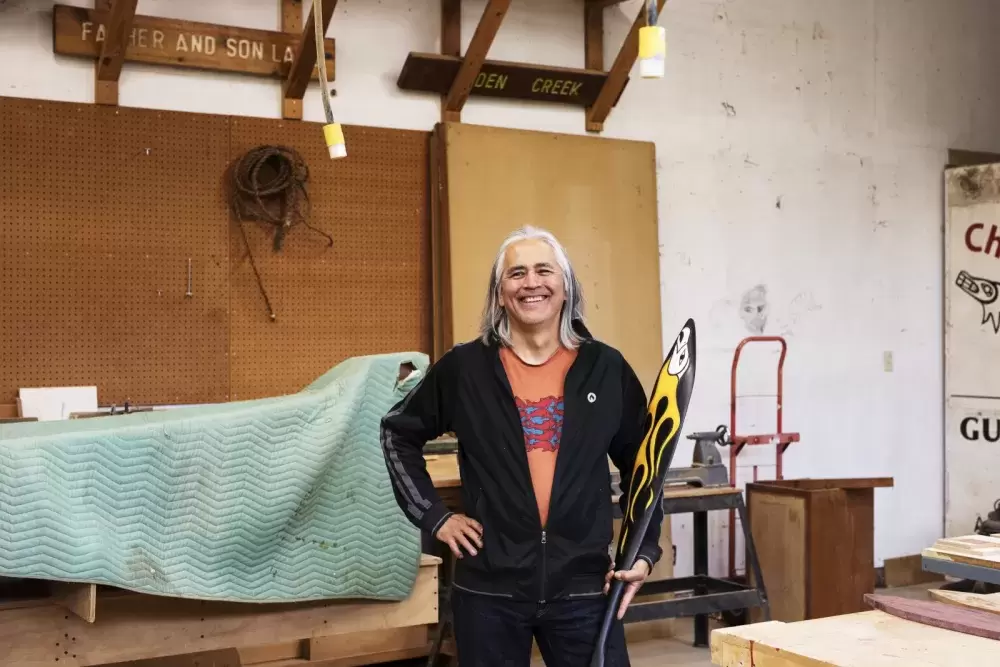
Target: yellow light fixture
(652, 45)
(333, 133)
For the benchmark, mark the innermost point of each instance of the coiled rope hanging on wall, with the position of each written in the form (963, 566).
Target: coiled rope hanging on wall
(267, 185)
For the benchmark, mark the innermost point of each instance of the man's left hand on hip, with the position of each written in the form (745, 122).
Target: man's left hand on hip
(633, 579)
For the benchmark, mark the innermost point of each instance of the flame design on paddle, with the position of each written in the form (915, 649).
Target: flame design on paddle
(662, 423)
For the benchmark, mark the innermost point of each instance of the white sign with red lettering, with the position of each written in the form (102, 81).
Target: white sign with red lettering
(972, 345)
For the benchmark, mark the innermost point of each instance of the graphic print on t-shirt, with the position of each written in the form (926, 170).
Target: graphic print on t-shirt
(538, 393)
(542, 422)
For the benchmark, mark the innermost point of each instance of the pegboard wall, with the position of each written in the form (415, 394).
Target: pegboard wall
(368, 293)
(103, 209)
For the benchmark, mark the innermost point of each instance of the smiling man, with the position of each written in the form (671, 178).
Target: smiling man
(538, 406)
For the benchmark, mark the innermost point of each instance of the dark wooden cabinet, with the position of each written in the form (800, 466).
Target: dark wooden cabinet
(814, 539)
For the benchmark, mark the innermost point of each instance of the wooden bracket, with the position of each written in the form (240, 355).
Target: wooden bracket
(108, 67)
(455, 77)
(618, 76)
(294, 87)
(451, 45)
(291, 22)
(475, 55)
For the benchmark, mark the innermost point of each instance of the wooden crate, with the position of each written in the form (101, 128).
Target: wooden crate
(814, 539)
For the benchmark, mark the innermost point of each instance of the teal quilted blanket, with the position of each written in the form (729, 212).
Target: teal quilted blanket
(271, 500)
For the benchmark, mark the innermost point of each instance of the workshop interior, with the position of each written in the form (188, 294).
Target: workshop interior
(234, 235)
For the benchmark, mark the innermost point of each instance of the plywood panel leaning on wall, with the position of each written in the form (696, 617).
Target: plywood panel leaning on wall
(598, 196)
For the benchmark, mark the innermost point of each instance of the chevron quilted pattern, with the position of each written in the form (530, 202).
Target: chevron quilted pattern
(272, 500)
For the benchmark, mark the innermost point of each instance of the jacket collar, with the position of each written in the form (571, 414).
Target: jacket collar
(578, 326)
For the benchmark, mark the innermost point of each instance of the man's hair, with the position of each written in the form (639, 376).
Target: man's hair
(495, 323)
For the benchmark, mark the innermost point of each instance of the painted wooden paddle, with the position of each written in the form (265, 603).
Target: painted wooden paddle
(661, 429)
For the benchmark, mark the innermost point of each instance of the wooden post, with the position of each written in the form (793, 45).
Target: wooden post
(305, 55)
(291, 22)
(593, 35)
(451, 45)
(482, 39)
(108, 67)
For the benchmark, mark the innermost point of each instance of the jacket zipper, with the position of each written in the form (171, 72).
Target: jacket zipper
(541, 592)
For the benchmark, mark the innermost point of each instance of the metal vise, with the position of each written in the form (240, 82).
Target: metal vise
(706, 468)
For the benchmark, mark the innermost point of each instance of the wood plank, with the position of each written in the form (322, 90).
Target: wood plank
(618, 75)
(81, 599)
(976, 546)
(291, 22)
(254, 655)
(988, 603)
(305, 54)
(865, 639)
(132, 628)
(961, 558)
(939, 615)
(907, 571)
(593, 36)
(119, 26)
(475, 54)
(451, 45)
(223, 658)
(79, 31)
(362, 645)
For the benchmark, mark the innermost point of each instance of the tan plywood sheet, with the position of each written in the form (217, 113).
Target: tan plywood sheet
(598, 196)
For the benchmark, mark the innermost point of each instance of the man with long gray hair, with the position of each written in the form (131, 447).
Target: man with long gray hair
(538, 405)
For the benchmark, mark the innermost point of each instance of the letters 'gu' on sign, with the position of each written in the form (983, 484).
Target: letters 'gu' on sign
(79, 31)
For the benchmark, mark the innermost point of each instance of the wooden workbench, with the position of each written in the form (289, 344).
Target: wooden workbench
(864, 639)
(133, 626)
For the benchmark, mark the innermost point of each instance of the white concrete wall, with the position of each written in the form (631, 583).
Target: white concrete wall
(800, 146)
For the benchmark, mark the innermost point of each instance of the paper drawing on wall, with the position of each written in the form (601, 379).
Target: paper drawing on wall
(753, 309)
(985, 292)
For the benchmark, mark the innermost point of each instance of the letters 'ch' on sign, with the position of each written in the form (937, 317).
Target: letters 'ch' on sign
(434, 73)
(79, 31)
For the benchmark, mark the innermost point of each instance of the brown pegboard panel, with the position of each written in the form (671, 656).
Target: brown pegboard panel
(100, 210)
(369, 293)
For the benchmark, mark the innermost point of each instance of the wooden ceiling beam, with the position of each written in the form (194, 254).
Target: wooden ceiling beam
(618, 75)
(299, 74)
(475, 55)
(108, 67)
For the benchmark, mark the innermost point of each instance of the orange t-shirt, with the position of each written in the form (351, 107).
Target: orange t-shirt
(538, 392)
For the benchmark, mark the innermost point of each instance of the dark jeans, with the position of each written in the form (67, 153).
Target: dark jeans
(492, 631)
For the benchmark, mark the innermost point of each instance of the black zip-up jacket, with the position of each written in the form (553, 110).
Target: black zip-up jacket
(467, 392)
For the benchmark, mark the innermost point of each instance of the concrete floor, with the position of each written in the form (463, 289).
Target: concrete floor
(678, 651)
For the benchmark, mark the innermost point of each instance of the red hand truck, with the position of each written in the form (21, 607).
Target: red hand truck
(737, 442)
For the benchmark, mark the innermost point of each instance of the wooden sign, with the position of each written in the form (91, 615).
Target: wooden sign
(433, 73)
(78, 31)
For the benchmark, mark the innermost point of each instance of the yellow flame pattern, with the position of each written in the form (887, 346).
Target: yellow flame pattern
(649, 454)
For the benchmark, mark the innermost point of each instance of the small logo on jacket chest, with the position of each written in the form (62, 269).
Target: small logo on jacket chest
(591, 397)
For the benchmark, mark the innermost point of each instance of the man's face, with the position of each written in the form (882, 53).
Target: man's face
(531, 288)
